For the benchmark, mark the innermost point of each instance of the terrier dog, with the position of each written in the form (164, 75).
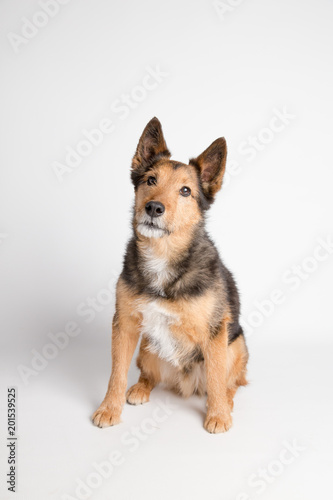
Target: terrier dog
(174, 291)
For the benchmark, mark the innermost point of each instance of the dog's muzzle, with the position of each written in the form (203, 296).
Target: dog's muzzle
(149, 224)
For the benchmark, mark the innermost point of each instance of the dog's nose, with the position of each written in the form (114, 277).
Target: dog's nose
(155, 208)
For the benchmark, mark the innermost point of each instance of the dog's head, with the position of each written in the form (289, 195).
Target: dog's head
(171, 196)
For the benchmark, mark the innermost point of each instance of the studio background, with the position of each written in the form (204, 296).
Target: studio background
(258, 73)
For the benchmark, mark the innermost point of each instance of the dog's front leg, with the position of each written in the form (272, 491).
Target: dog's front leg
(125, 336)
(218, 418)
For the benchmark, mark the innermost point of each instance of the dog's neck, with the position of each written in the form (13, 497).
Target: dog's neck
(170, 248)
(162, 260)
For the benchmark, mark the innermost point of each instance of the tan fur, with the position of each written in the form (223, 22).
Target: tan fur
(221, 374)
(174, 333)
(125, 335)
(181, 213)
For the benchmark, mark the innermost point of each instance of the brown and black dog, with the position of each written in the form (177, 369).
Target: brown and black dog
(174, 291)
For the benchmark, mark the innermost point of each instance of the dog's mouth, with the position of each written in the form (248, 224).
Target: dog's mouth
(152, 225)
(151, 228)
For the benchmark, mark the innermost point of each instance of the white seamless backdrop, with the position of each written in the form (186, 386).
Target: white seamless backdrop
(79, 82)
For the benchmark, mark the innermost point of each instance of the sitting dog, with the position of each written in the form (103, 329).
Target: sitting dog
(174, 292)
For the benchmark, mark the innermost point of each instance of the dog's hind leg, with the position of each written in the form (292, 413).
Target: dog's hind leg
(148, 363)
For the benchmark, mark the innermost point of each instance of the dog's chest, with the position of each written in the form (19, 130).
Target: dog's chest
(157, 271)
(156, 326)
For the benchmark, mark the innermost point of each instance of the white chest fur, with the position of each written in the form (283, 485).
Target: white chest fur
(158, 271)
(156, 322)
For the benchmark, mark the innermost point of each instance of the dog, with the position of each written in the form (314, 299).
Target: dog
(174, 292)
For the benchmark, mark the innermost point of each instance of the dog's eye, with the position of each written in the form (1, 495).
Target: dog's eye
(151, 180)
(185, 191)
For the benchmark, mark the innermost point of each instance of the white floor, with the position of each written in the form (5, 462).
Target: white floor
(280, 445)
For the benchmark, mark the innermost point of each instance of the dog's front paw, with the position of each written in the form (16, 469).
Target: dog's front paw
(105, 417)
(137, 395)
(218, 423)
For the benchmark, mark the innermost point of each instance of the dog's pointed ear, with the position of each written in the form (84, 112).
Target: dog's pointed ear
(211, 167)
(151, 146)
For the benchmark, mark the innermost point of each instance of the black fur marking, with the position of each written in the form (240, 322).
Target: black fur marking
(198, 270)
(234, 334)
(194, 273)
(177, 165)
(215, 330)
(193, 358)
(137, 174)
